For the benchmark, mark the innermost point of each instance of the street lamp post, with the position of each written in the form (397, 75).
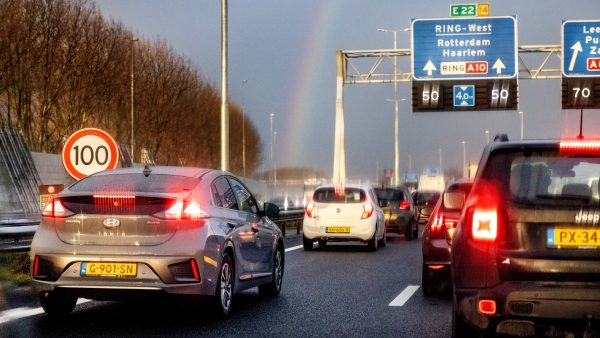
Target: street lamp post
(396, 146)
(271, 147)
(274, 161)
(224, 100)
(521, 116)
(133, 40)
(243, 130)
(464, 144)
(441, 168)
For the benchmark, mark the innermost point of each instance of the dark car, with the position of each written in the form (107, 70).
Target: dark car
(526, 251)
(424, 201)
(435, 246)
(398, 207)
(155, 231)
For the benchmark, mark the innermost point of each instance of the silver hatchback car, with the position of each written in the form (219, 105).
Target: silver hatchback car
(158, 230)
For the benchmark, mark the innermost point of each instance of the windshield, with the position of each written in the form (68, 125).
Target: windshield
(136, 182)
(347, 195)
(549, 178)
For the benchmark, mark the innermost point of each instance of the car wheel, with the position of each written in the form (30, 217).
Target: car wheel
(307, 243)
(383, 240)
(273, 288)
(224, 294)
(57, 304)
(372, 243)
(460, 329)
(408, 231)
(426, 282)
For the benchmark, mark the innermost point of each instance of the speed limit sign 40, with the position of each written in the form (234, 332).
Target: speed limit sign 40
(88, 151)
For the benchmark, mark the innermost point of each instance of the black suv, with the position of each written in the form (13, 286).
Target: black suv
(526, 251)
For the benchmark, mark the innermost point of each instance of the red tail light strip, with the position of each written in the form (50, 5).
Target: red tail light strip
(579, 145)
(36, 264)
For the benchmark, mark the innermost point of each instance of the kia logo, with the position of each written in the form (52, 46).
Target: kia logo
(111, 223)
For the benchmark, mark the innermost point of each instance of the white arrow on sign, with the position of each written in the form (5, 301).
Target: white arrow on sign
(429, 68)
(576, 50)
(498, 66)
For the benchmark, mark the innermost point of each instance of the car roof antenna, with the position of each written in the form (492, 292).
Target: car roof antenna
(581, 125)
(147, 171)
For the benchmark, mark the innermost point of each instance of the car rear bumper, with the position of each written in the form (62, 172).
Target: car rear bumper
(362, 230)
(435, 251)
(532, 307)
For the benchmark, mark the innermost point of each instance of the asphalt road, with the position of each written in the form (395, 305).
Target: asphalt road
(337, 291)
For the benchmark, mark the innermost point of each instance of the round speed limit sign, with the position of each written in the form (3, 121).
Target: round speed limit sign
(88, 151)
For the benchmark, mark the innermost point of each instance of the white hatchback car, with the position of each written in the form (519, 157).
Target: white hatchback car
(349, 213)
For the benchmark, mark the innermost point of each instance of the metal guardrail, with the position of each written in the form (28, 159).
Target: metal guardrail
(291, 218)
(17, 230)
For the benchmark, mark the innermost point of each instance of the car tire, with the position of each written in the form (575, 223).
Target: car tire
(223, 299)
(460, 329)
(383, 240)
(416, 230)
(408, 232)
(57, 304)
(426, 282)
(372, 243)
(307, 243)
(273, 288)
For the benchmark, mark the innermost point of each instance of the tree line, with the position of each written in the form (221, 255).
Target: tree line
(63, 67)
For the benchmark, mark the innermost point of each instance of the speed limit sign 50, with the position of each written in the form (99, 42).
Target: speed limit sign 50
(88, 151)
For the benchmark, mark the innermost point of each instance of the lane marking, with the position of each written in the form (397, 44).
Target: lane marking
(404, 295)
(293, 248)
(23, 312)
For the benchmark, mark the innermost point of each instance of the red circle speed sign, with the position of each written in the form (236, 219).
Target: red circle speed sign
(88, 151)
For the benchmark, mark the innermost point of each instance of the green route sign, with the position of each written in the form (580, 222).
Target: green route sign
(463, 10)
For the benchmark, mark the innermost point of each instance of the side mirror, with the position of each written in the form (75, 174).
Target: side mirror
(271, 209)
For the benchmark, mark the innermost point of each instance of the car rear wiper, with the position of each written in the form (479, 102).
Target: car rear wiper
(564, 197)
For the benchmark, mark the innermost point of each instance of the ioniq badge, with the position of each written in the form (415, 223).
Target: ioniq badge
(111, 223)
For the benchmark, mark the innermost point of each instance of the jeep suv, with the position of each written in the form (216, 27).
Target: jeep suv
(526, 251)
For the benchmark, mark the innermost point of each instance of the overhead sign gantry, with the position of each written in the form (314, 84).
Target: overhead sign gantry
(464, 64)
(580, 64)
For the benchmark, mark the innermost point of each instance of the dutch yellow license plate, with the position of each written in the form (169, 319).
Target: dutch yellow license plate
(108, 269)
(560, 237)
(337, 230)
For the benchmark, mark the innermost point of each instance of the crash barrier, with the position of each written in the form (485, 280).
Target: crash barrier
(290, 218)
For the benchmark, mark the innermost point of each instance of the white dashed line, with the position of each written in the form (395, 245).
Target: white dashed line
(293, 248)
(22, 312)
(404, 295)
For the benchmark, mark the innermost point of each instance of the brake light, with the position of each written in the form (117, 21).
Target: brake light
(579, 145)
(194, 267)
(56, 209)
(485, 224)
(180, 210)
(487, 306)
(438, 223)
(404, 205)
(368, 210)
(310, 209)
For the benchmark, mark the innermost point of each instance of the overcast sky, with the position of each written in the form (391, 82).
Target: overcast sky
(285, 49)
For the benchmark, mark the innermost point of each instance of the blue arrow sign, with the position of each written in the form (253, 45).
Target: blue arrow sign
(581, 48)
(467, 48)
(464, 96)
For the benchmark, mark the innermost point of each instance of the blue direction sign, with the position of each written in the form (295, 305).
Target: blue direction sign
(466, 48)
(581, 48)
(464, 96)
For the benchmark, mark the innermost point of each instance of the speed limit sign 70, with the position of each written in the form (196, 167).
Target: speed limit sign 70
(88, 151)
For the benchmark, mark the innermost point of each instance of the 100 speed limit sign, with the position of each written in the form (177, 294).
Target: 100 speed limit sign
(88, 151)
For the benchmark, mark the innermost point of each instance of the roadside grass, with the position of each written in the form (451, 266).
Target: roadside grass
(14, 268)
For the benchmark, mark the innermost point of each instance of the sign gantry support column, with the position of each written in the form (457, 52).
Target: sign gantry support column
(339, 150)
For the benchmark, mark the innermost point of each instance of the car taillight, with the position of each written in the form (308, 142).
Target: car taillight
(487, 306)
(181, 210)
(404, 205)
(367, 210)
(36, 264)
(484, 224)
(56, 209)
(310, 209)
(194, 267)
(579, 145)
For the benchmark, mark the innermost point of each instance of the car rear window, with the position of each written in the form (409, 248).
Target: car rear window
(389, 194)
(427, 196)
(346, 195)
(547, 177)
(157, 183)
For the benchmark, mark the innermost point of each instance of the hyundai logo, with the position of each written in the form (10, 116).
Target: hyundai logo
(111, 223)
